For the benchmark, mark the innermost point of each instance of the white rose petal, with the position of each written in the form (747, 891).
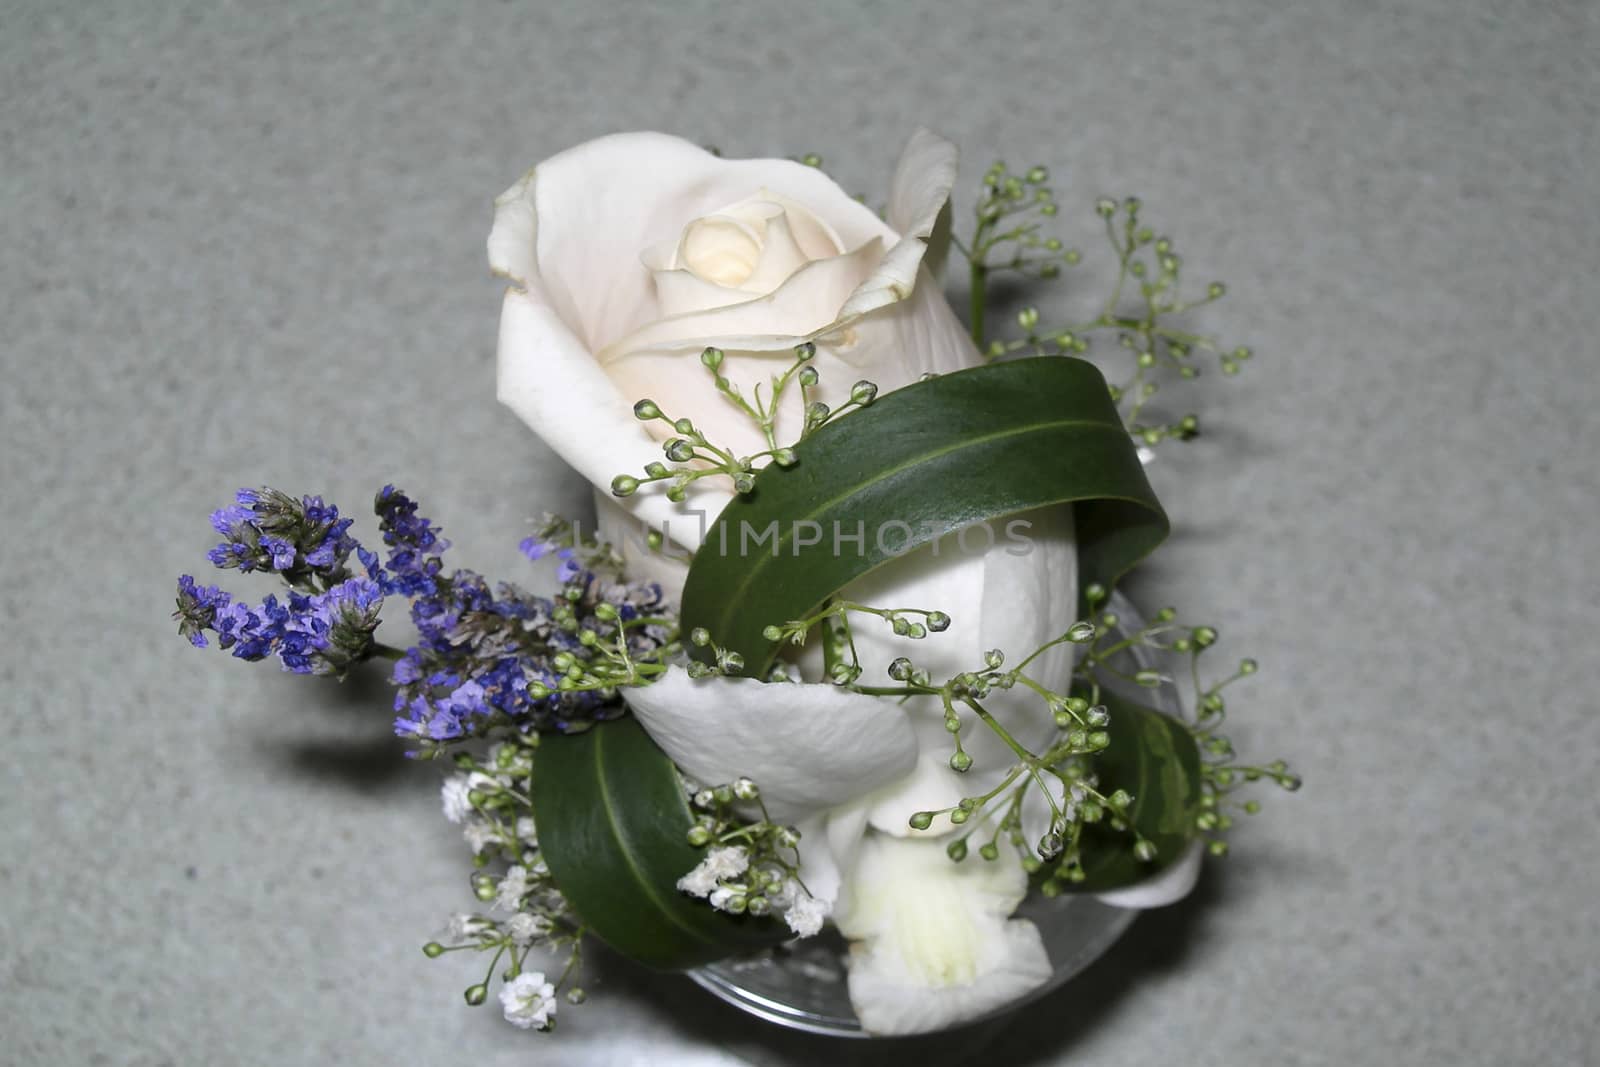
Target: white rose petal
(809, 747)
(628, 254)
(931, 942)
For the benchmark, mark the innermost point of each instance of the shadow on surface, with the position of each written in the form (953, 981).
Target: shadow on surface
(339, 733)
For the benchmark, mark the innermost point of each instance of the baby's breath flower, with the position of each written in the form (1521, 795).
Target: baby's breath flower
(480, 834)
(699, 882)
(513, 887)
(727, 862)
(454, 798)
(805, 915)
(463, 927)
(529, 1001)
(524, 927)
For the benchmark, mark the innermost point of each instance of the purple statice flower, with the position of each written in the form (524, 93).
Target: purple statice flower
(328, 632)
(323, 633)
(198, 606)
(414, 544)
(534, 547)
(302, 539)
(485, 658)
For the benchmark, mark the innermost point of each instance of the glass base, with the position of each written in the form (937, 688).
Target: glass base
(804, 985)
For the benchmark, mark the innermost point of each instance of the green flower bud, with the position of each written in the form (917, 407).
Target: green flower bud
(699, 836)
(700, 636)
(683, 426)
(1081, 633)
(1218, 848)
(433, 950)
(989, 852)
(623, 485)
(712, 357)
(804, 351)
(1144, 851)
(785, 457)
(957, 849)
(958, 816)
(921, 820)
(1204, 636)
(960, 762)
(645, 410)
(745, 789)
(938, 621)
(808, 376)
(900, 669)
(576, 995)
(1105, 207)
(476, 994)
(994, 658)
(863, 393)
(678, 450)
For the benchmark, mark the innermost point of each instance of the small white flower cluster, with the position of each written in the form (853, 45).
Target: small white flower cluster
(529, 1002)
(487, 798)
(753, 878)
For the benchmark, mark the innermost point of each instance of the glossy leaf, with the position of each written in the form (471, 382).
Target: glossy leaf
(612, 822)
(919, 463)
(1154, 757)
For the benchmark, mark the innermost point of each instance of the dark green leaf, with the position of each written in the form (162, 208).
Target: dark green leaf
(921, 462)
(1155, 758)
(612, 821)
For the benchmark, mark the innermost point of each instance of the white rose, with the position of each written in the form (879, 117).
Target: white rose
(628, 256)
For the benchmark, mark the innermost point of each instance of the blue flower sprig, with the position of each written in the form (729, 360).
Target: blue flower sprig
(485, 657)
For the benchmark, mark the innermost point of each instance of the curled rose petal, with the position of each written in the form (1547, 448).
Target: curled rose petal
(932, 944)
(808, 747)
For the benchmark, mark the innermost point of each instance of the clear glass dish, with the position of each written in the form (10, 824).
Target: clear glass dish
(802, 985)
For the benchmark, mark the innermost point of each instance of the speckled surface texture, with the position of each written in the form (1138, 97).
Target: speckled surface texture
(244, 244)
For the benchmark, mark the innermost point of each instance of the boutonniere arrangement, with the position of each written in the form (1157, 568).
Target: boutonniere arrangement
(840, 650)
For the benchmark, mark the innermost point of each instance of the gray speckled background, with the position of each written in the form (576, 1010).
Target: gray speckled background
(243, 243)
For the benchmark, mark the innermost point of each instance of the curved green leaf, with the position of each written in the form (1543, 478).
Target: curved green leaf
(613, 822)
(919, 463)
(1154, 757)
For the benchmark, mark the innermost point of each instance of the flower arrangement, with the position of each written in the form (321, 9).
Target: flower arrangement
(839, 651)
